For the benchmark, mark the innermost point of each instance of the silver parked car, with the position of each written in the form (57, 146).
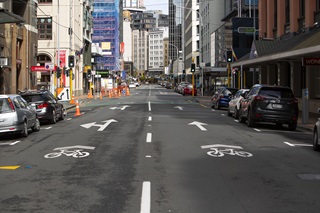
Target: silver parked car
(17, 116)
(234, 104)
(316, 131)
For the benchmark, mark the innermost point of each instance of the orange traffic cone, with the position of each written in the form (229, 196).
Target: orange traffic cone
(77, 109)
(72, 99)
(128, 91)
(109, 93)
(100, 96)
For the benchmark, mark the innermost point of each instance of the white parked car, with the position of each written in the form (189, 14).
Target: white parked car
(316, 131)
(234, 104)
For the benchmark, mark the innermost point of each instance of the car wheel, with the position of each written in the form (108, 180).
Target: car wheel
(316, 146)
(62, 114)
(250, 121)
(54, 118)
(236, 113)
(36, 126)
(25, 129)
(229, 113)
(292, 126)
(241, 118)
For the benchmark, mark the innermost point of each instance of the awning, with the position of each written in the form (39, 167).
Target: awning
(292, 49)
(8, 17)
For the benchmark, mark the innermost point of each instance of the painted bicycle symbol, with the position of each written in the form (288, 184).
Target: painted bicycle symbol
(71, 151)
(227, 150)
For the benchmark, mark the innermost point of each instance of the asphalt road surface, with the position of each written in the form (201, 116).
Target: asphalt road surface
(158, 151)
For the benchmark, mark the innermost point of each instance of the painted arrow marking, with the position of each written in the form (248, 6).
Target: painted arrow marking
(102, 126)
(199, 124)
(121, 108)
(179, 107)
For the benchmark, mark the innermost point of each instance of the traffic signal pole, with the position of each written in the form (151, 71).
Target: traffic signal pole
(229, 75)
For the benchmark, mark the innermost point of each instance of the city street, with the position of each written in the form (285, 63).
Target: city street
(158, 151)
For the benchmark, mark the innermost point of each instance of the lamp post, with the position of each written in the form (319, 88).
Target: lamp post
(177, 58)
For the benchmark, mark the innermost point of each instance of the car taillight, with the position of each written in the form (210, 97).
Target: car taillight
(43, 105)
(294, 101)
(11, 104)
(258, 98)
(221, 96)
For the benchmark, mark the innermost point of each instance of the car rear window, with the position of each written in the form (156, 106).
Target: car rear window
(228, 91)
(276, 92)
(33, 97)
(4, 105)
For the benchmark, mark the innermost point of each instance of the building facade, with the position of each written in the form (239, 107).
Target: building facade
(18, 45)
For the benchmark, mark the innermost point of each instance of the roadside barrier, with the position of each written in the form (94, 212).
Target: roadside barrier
(77, 109)
(100, 95)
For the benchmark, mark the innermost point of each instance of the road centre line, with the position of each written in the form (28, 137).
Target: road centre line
(258, 130)
(292, 145)
(149, 137)
(150, 118)
(149, 105)
(145, 197)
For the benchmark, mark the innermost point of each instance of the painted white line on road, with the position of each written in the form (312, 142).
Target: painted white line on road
(149, 137)
(258, 130)
(236, 121)
(148, 156)
(149, 92)
(212, 110)
(150, 118)
(149, 105)
(149, 125)
(69, 119)
(145, 197)
(301, 144)
(14, 143)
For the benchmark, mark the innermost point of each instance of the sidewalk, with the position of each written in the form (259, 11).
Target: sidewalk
(313, 118)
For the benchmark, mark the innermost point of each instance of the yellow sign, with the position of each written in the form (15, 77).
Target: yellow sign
(105, 45)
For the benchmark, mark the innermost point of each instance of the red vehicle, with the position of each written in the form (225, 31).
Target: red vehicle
(187, 90)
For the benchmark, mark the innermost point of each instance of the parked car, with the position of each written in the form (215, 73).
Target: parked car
(168, 85)
(187, 90)
(266, 103)
(234, 104)
(316, 131)
(222, 97)
(17, 116)
(179, 87)
(47, 106)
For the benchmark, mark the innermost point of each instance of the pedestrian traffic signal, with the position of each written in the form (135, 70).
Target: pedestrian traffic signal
(229, 56)
(193, 67)
(71, 60)
(58, 72)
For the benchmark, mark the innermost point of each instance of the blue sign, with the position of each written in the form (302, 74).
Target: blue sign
(123, 74)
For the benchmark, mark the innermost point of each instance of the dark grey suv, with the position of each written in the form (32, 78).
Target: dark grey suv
(47, 106)
(266, 103)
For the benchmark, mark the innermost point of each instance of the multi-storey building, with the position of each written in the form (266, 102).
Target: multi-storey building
(156, 52)
(288, 50)
(64, 30)
(18, 45)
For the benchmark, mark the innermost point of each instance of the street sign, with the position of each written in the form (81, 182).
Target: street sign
(246, 30)
(49, 66)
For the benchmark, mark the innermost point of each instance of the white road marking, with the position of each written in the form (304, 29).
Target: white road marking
(199, 125)
(149, 137)
(236, 121)
(149, 105)
(69, 119)
(148, 156)
(223, 114)
(13, 143)
(258, 130)
(212, 110)
(145, 197)
(291, 144)
(150, 118)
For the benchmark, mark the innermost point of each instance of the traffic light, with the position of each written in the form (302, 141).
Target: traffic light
(58, 72)
(71, 60)
(193, 67)
(89, 74)
(229, 56)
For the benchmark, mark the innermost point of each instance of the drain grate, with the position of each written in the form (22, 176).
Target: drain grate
(309, 176)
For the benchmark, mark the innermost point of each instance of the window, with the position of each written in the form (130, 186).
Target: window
(318, 5)
(45, 28)
(302, 8)
(45, 1)
(287, 11)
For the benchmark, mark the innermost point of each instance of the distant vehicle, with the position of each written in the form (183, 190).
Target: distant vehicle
(168, 85)
(266, 103)
(47, 106)
(17, 116)
(187, 90)
(316, 131)
(180, 86)
(222, 97)
(234, 104)
(132, 85)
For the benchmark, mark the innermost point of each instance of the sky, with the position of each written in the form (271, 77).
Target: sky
(157, 5)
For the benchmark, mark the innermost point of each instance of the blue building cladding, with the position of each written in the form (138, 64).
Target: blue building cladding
(106, 33)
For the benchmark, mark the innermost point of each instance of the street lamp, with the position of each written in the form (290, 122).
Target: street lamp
(177, 58)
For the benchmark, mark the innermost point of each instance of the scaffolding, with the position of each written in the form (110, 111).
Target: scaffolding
(106, 33)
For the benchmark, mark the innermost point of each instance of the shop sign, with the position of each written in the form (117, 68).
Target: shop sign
(4, 62)
(310, 61)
